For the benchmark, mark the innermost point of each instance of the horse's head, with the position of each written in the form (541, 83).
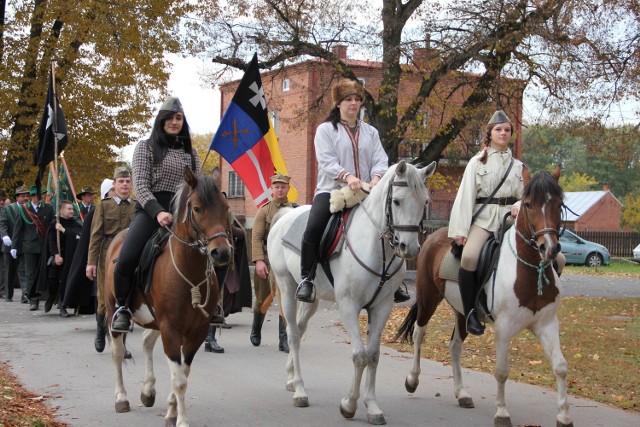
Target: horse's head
(540, 214)
(200, 213)
(406, 199)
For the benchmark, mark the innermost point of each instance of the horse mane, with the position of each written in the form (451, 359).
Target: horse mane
(541, 184)
(206, 190)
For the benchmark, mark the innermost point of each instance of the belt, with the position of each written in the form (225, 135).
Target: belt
(500, 201)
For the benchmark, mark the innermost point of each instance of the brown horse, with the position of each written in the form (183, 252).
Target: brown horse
(183, 294)
(524, 292)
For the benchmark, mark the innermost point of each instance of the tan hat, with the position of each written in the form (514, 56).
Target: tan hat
(280, 178)
(172, 104)
(344, 88)
(87, 189)
(21, 190)
(121, 172)
(499, 117)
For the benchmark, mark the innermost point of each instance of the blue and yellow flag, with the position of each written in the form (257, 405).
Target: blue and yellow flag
(246, 139)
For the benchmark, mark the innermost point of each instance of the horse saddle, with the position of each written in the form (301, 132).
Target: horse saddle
(152, 249)
(332, 238)
(487, 265)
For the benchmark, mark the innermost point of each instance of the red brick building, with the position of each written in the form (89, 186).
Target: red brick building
(298, 98)
(593, 211)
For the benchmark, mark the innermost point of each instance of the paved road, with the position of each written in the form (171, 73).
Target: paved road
(245, 386)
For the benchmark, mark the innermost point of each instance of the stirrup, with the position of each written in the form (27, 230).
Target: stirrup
(304, 298)
(124, 310)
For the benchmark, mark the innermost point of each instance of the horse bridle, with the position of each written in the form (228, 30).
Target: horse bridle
(391, 227)
(201, 240)
(531, 241)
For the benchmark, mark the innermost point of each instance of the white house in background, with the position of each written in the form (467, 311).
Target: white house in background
(593, 210)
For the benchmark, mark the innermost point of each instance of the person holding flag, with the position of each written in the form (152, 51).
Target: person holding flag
(246, 139)
(349, 152)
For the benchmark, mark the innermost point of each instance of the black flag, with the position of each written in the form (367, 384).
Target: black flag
(52, 126)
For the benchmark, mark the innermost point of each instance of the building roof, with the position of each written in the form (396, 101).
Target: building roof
(581, 201)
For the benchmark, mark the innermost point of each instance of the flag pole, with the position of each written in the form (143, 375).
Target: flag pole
(73, 190)
(54, 127)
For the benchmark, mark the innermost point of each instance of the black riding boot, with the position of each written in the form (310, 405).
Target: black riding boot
(211, 344)
(401, 294)
(283, 345)
(101, 332)
(468, 287)
(308, 263)
(256, 328)
(122, 318)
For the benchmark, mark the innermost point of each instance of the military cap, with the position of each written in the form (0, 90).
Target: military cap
(172, 103)
(499, 117)
(280, 178)
(87, 189)
(21, 190)
(121, 172)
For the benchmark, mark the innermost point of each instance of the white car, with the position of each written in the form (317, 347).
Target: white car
(636, 252)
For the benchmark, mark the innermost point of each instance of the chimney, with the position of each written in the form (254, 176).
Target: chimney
(423, 55)
(606, 187)
(340, 51)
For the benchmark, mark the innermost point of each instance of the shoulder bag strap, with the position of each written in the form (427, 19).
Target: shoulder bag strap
(493, 193)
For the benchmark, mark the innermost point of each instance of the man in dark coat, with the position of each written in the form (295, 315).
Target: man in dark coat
(85, 197)
(57, 254)
(28, 238)
(8, 219)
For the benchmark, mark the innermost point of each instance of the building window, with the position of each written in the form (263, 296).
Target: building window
(285, 85)
(362, 81)
(275, 122)
(236, 186)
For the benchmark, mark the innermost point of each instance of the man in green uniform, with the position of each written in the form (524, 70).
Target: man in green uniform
(111, 216)
(8, 218)
(264, 280)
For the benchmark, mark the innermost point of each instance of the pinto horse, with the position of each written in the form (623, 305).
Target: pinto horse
(383, 231)
(525, 293)
(183, 292)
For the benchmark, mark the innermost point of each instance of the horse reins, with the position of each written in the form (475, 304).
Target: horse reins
(200, 243)
(388, 235)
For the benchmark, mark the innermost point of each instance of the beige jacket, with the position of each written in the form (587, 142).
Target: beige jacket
(261, 227)
(479, 180)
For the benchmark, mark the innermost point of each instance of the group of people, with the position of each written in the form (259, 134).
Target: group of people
(349, 153)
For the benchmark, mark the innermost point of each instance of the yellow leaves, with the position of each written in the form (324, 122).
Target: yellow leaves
(535, 362)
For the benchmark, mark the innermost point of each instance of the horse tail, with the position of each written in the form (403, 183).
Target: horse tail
(405, 332)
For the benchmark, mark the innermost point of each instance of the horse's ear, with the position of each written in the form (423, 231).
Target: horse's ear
(526, 175)
(216, 175)
(428, 171)
(556, 173)
(189, 177)
(401, 168)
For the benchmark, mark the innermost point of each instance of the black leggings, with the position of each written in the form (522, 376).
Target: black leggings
(140, 231)
(318, 219)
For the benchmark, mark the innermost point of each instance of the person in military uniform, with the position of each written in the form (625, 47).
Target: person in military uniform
(28, 238)
(111, 216)
(85, 197)
(263, 279)
(8, 218)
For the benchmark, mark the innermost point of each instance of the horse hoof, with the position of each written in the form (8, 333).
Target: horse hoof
(300, 402)
(502, 422)
(411, 388)
(170, 422)
(466, 402)
(376, 420)
(148, 400)
(122, 406)
(346, 414)
(559, 424)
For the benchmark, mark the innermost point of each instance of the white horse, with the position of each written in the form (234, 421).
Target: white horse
(525, 295)
(383, 232)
